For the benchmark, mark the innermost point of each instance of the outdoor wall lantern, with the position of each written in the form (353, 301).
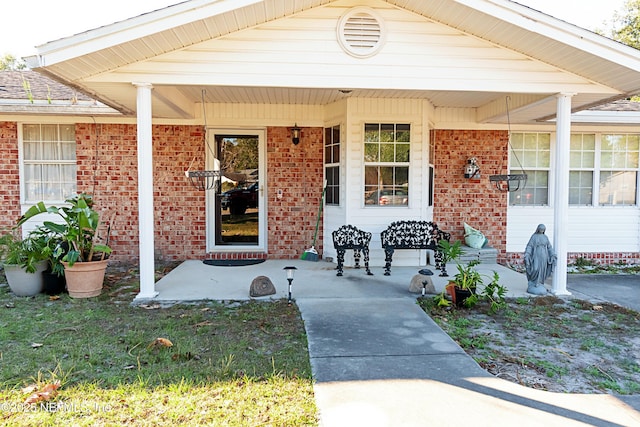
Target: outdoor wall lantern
(471, 169)
(290, 272)
(295, 134)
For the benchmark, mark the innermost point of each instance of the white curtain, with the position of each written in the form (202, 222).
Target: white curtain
(49, 153)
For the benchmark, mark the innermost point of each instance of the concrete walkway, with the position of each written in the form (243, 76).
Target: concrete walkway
(379, 360)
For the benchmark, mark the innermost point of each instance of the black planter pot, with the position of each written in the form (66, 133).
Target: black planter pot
(461, 295)
(53, 284)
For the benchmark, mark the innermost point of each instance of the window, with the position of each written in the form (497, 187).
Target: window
(332, 164)
(386, 164)
(49, 157)
(618, 169)
(582, 160)
(532, 151)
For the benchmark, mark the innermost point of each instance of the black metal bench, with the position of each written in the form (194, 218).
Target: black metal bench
(350, 237)
(412, 235)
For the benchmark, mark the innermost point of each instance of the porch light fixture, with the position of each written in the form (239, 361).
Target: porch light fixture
(471, 169)
(295, 134)
(512, 182)
(290, 272)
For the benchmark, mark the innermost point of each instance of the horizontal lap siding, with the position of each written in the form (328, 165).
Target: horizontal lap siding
(376, 219)
(303, 51)
(589, 229)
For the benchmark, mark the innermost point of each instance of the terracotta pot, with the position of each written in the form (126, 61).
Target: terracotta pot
(84, 279)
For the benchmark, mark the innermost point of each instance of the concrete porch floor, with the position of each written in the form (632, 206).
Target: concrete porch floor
(193, 280)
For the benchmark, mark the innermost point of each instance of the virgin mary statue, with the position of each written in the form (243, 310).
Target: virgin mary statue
(539, 261)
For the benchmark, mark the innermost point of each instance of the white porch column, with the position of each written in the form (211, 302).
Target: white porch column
(561, 199)
(145, 192)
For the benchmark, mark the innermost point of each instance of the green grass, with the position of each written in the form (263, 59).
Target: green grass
(236, 364)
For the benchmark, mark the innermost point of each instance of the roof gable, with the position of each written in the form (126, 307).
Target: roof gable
(537, 49)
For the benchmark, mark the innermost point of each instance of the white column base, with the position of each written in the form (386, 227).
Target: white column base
(146, 296)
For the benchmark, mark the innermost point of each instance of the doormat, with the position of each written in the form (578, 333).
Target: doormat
(232, 262)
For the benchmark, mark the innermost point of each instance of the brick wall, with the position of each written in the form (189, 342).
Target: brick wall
(516, 259)
(476, 201)
(9, 176)
(297, 170)
(108, 169)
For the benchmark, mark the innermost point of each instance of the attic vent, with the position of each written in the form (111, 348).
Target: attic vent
(361, 32)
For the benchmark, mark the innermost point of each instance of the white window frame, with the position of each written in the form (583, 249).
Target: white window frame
(516, 169)
(23, 163)
(594, 169)
(394, 164)
(601, 169)
(332, 164)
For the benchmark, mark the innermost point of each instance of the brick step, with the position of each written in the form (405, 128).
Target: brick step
(486, 255)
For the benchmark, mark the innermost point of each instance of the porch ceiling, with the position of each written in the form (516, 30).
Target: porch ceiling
(77, 60)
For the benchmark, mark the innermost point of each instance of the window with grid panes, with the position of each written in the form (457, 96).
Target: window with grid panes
(582, 160)
(49, 162)
(386, 164)
(531, 152)
(332, 164)
(618, 169)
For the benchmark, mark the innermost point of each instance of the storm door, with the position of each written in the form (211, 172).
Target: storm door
(236, 214)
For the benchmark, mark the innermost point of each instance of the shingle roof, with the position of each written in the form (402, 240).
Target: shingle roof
(15, 85)
(621, 105)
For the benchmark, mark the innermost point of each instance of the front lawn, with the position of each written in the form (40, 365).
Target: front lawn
(238, 363)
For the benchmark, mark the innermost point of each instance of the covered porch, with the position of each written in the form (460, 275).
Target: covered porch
(194, 280)
(269, 65)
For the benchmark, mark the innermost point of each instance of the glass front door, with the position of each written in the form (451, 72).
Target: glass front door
(237, 206)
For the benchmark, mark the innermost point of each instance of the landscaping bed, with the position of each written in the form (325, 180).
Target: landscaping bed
(549, 343)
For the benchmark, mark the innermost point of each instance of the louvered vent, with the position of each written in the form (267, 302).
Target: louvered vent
(361, 32)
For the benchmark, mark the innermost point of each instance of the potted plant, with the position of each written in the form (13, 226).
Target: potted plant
(23, 262)
(83, 257)
(53, 248)
(464, 284)
(463, 287)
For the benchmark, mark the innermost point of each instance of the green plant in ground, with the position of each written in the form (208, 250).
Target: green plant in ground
(495, 293)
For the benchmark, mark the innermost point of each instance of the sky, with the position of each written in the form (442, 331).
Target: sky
(28, 23)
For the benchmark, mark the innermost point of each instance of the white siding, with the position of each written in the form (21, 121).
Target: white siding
(336, 216)
(303, 51)
(376, 219)
(590, 229)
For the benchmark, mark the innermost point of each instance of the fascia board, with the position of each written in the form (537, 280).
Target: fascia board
(132, 29)
(540, 23)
